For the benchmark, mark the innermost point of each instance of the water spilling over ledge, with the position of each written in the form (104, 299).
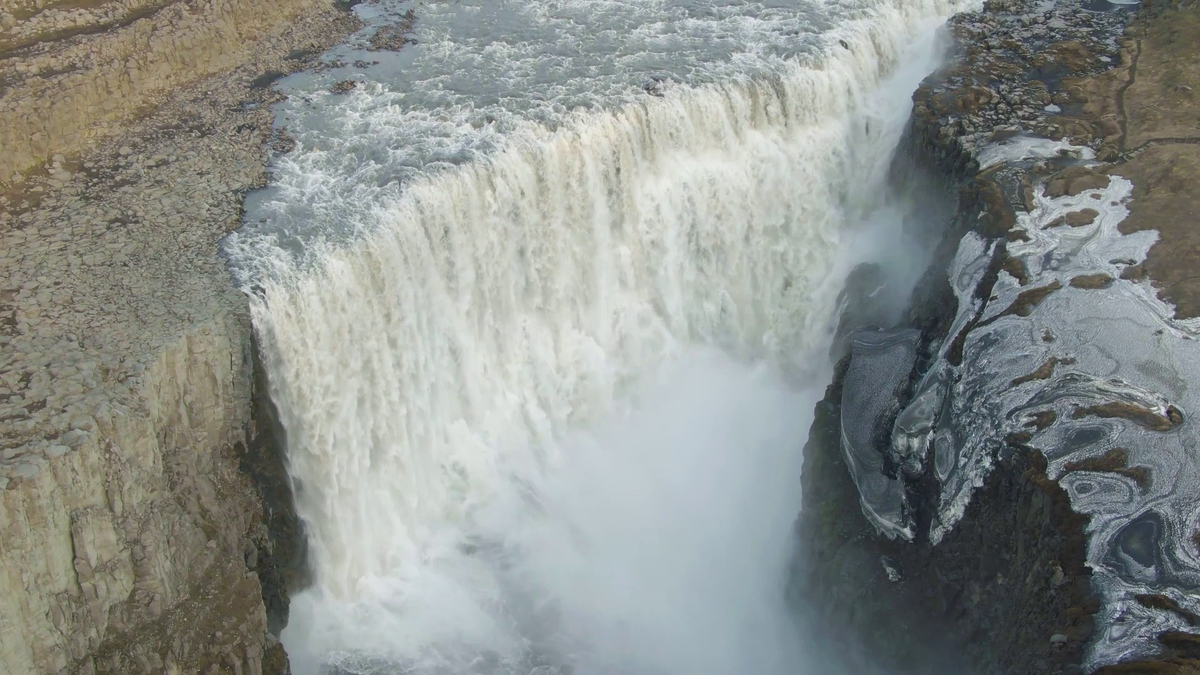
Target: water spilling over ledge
(147, 519)
(449, 349)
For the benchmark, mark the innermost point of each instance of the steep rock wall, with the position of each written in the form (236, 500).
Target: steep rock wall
(1011, 587)
(145, 515)
(136, 551)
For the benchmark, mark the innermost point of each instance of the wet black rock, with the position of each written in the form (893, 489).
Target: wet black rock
(1007, 588)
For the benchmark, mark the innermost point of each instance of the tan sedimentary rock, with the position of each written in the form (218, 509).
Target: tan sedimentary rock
(133, 537)
(75, 72)
(101, 539)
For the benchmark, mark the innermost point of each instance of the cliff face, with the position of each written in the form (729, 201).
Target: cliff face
(71, 71)
(135, 550)
(1039, 453)
(145, 514)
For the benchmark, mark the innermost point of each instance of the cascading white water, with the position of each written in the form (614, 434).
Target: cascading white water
(546, 411)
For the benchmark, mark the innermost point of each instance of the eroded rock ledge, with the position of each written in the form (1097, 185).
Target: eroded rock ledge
(145, 523)
(1039, 469)
(71, 72)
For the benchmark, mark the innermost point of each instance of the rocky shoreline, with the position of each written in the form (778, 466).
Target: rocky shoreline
(75, 73)
(1022, 560)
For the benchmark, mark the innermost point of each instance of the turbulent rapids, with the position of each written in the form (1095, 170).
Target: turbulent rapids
(546, 305)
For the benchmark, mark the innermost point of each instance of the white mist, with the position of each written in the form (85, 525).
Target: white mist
(658, 544)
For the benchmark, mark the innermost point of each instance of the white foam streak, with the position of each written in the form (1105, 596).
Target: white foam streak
(443, 365)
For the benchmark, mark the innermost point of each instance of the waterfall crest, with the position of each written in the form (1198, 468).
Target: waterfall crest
(492, 327)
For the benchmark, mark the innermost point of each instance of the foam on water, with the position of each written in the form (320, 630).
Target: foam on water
(486, 76)
(530, 370)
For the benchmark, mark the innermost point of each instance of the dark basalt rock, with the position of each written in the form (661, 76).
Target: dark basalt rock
(393, 37)
(1006, 585)
(280, 556)
(880, 365)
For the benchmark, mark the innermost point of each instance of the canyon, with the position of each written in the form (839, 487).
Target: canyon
(147, 515)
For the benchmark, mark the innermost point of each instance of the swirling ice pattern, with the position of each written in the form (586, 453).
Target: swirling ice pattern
(1119, 390)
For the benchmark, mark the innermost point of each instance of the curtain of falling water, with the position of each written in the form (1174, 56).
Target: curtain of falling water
(537, 415)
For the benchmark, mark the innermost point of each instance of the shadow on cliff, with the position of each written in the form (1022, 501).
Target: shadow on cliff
(282, 567)
(851, 587)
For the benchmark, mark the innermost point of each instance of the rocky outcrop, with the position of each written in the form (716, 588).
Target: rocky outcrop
(71, 72)
(110, 545)
(1041, 451)
(145, 516)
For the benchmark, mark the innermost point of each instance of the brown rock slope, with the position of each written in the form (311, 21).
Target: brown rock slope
(70, 71)
(1161, 105)
(144, 519)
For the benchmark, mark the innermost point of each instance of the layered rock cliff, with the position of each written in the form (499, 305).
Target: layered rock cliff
(132, 546)
(145, 517)
(1033, 508)
(71, 72)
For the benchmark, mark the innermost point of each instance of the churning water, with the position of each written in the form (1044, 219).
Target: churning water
(546, 304)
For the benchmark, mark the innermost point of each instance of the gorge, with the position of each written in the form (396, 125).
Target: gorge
(526, 361)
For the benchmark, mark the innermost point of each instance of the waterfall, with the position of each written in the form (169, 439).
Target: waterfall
(544, 409)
